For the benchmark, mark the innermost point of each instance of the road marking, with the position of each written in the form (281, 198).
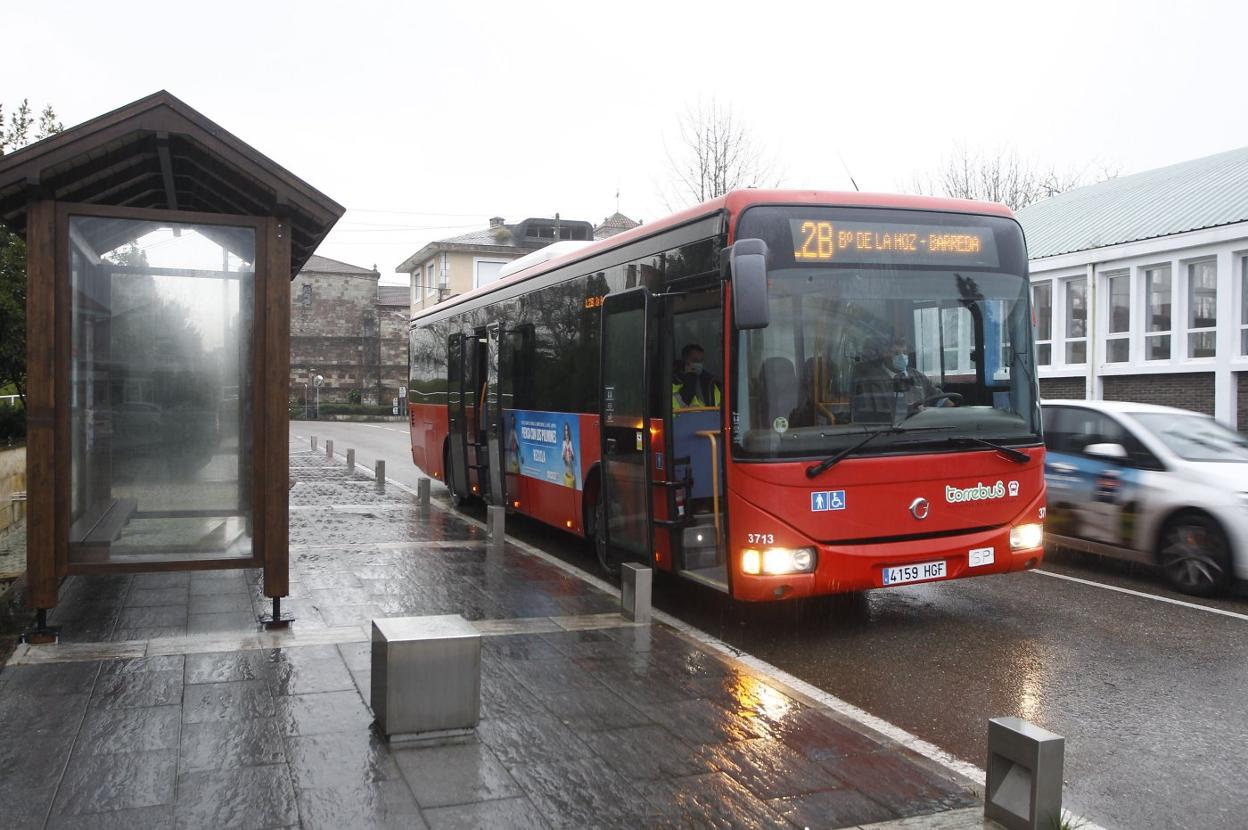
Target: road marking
(1168, 600)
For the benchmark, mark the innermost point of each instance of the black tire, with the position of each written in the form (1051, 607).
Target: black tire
(605, 560)
(1194, 555)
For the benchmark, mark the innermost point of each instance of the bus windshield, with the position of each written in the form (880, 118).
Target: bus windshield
(871, 340)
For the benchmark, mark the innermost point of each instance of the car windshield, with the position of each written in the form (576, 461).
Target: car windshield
(1195, 437)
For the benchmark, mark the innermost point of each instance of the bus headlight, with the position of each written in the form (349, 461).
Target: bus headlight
(1026, 536)
(778, 561)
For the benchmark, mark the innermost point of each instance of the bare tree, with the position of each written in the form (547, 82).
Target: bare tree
(715, 153)
(1002, 176)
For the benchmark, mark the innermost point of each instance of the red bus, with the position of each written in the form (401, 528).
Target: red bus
(777, 394)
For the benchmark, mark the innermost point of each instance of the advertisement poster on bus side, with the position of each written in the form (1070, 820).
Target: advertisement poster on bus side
(545, 446)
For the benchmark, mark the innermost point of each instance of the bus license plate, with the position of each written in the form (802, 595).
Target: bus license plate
(915, 573)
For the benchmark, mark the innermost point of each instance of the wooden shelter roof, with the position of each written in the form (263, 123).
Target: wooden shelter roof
(159, 153)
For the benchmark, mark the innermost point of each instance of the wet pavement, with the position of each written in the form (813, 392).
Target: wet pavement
(1145, 684)
(165, 705)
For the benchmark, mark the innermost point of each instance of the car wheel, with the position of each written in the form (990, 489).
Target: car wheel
(1194, 555)
(601, 548)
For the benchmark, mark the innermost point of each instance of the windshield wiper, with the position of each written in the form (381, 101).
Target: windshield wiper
(1017, 456)
(827, 463)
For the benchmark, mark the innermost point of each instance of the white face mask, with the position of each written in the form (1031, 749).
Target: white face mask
(901, 362)
(696, 368)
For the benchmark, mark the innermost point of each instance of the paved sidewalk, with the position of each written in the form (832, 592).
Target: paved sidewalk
(165, 705)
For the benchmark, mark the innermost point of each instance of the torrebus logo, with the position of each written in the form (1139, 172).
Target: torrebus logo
(980, 492)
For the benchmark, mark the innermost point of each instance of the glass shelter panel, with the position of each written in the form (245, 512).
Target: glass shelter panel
(162, 319)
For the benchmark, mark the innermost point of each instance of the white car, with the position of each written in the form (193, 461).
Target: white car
(1152, 484)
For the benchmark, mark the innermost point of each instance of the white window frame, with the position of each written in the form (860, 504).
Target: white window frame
(1048, 342)
(1066, 339)
(1146, 316)
(477, 262)
(1188, 328)
(1240, 287)
(1106, 315)
(431, 287)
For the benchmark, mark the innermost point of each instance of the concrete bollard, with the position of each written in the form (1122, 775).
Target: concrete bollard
(426, 677)
(1023, 788)
(329, 449)
(314, 443)
(635, 582)
(495, 526)
(379, 472)
(423, 489)
(350, 460)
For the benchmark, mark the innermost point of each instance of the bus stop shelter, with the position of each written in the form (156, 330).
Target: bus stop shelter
(160, 250)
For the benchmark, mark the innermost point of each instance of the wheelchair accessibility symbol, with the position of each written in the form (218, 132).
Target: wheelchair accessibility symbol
(827, 500)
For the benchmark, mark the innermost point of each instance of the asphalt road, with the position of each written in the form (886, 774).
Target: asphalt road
(1150, 688)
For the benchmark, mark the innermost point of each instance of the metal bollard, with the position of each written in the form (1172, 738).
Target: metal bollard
(423, 488)
(1023, 789)
(314, 442)
(350, 460)
(426, 677)
(379, 472)
(329, 449)
(495, 526)
(635, 583)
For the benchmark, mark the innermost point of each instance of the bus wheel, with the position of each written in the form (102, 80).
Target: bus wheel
(605, 559)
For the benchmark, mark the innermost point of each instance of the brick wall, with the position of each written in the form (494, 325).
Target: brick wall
(12, 480)
(1241, 400)
(1189, 390)
(393, 320)
(1062, 388)
(338, 330)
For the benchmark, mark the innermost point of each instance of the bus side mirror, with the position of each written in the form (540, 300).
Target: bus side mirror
(747, 260)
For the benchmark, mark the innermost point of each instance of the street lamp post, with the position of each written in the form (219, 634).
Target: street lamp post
(318, 382)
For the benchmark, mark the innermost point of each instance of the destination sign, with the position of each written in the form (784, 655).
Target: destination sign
(821, 240)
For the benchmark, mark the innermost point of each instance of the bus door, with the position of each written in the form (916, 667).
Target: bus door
(624, 379)
(457, 438)
(495, 475)
(693, 358)
(475, 416)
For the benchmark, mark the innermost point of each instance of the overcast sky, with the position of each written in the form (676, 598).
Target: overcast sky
(426, 119)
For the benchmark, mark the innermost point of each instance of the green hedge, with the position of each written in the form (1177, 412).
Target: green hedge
(345, 409)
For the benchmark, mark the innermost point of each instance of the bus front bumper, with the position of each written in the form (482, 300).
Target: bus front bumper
(859, 567)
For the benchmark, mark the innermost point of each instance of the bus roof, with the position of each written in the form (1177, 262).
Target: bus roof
(733, 203)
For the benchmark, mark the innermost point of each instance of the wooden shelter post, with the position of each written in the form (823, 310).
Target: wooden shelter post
(43, 578)
(276, 429)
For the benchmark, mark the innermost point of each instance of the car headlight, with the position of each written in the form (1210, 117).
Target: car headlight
(1026, 536)
(778, 561)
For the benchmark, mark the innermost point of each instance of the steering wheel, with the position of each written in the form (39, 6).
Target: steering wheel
(950, 396)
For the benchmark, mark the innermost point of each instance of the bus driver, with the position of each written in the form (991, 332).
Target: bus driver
(887, 388)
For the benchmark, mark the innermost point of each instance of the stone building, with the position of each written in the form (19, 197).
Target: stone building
(447, 267)
(613, 224)
(1140, 288)
(348, 329)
